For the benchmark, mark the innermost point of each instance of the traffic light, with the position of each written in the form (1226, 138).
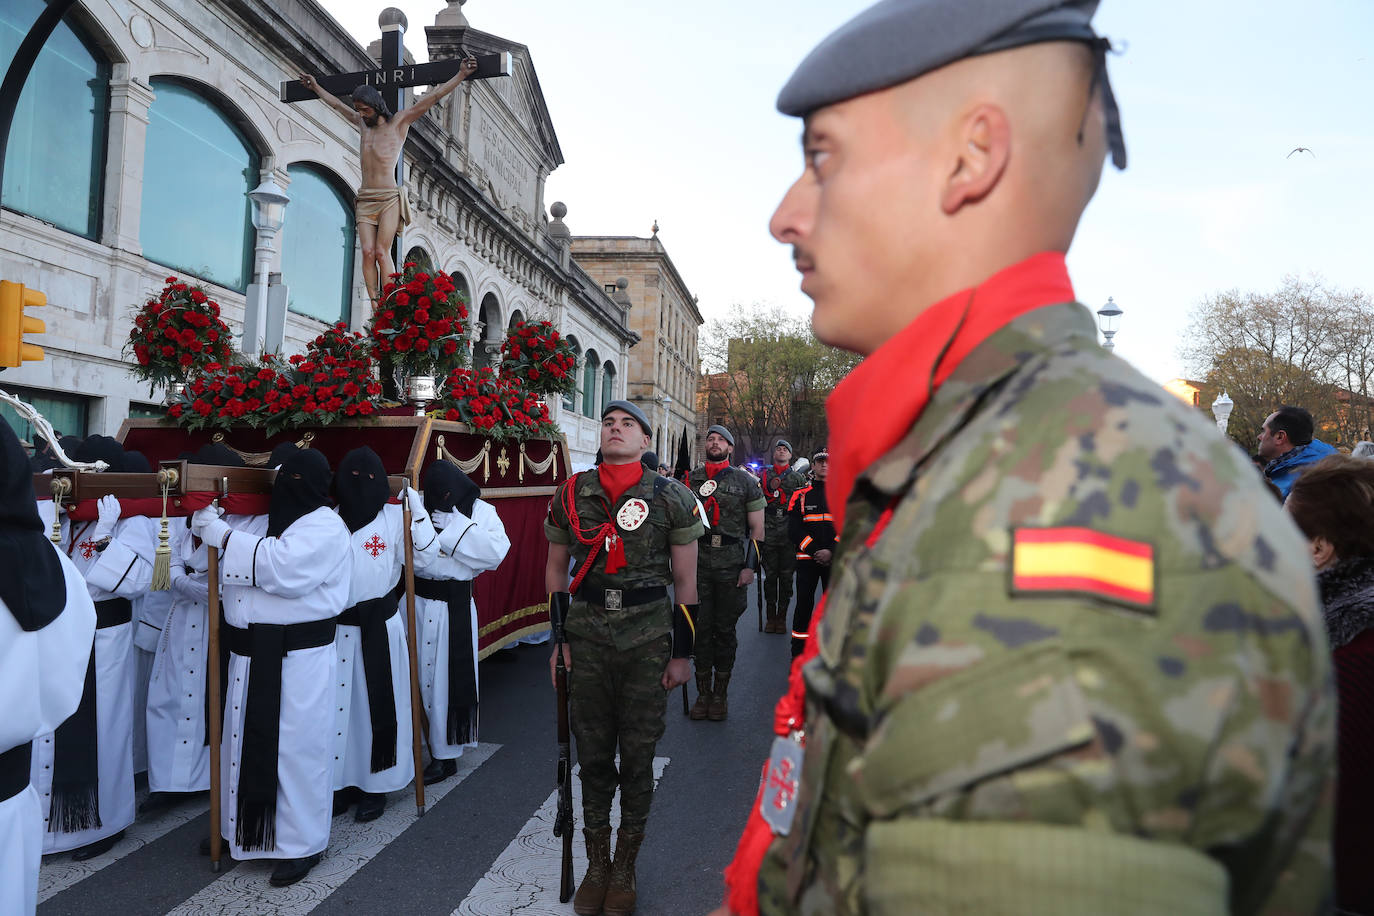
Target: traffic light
(14, 324)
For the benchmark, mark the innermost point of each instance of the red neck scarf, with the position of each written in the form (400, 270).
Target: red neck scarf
(876, 405)
(712, 469)
(617, 478)
(781, 468)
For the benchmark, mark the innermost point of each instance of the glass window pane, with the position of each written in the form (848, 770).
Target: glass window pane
(421, 259)
(589, 401)
(569, 397)
(54, 166)
(197, 172)
(607, 386)
(66, 413)
(317, 246)
(146, 411)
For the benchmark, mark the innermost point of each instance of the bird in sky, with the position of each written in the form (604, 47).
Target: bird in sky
(1301, 149)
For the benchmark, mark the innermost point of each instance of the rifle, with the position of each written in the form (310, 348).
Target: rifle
(563, 825)
(758, 589)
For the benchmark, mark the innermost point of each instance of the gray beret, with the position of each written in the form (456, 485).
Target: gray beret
(722, 432)
(784, 443)
(633, 411)
(898, 40)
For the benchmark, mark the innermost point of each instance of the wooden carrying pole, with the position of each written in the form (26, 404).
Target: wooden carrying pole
(411, 650)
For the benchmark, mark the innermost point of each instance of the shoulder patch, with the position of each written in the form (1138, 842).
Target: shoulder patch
(1081, 561)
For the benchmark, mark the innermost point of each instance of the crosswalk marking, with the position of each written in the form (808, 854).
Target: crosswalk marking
(60, 872)
(351, 846)
(524, 878)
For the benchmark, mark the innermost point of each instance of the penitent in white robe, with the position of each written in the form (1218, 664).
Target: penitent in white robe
(468, 546)
(123, 570)
(178, 750)
(378, 562)
(299, 577)
(42, 674)
(150, 612)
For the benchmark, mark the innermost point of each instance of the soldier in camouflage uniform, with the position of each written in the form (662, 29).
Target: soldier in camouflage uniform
(727, 558)
(630, 534)
(1070, 660)
(780, 481)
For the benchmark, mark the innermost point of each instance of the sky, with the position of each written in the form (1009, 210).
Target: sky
(665, 111)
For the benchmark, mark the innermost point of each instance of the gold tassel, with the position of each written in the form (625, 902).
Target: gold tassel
(162, 556)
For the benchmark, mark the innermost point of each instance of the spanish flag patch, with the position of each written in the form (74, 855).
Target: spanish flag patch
(1080, 561)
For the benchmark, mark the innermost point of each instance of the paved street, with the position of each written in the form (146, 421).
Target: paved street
(484, 846)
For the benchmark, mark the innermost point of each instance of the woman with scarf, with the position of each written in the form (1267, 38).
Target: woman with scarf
(1333, 503)
(85, 772)
(472, 540)
(47, 625)
(373, 740)
(282, 595)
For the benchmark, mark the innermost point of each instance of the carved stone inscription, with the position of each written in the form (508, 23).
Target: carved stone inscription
(505, 164)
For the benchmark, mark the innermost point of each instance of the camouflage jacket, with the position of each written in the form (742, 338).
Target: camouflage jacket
(737, 494)
(1004, 720)
(778, 490)
(672, 519)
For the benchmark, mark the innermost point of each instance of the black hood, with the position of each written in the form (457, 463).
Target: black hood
(136, 463)
(360, 487)
(447, 488)
(38, 595)
(302, 486)
(280, 452)
(101, 448)
(218, 455)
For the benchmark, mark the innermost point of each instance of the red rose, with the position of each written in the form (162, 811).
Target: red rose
(365, 408)
(402, 299)
(421, 315)
(402, 344)
(168, 350)
(175, 410)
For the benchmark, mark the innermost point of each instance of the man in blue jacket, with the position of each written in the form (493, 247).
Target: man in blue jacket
(1285, 441)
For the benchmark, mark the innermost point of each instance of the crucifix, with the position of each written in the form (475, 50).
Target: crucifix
(378, 98)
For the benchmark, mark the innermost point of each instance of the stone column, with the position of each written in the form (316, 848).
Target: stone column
(130, 99)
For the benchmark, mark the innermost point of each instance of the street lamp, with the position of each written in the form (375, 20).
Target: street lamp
(1221, 409)
(269, 213)
(1108, 318)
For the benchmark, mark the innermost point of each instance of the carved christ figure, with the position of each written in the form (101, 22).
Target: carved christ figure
(381, 207)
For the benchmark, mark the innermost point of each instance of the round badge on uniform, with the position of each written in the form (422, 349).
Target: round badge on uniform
(632, 514)
(707, 488)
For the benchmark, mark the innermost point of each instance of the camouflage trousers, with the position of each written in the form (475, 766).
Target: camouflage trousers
(617, 703)
(779, 563)
(809, 575)
(722, 603)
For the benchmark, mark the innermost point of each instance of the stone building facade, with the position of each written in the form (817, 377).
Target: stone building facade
(664, 367)
(185, 118)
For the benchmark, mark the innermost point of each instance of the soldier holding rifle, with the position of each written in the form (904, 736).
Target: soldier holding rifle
(629, 533)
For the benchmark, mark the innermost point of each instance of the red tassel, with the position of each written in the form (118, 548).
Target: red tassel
(615, 559)
(714, 508)
(742, 874)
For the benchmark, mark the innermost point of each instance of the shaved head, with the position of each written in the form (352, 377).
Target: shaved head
(915, 192)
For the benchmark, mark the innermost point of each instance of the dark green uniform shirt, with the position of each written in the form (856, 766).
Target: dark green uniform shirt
(672, 519)
(736, 494)
(777, 491)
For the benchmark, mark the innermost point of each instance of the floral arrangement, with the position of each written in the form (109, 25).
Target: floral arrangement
(332, 380)
(543, 360)
(177, 333)
(421, 324)
(495, 404)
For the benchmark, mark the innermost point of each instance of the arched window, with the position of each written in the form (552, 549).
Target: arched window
(516, 317)
(570, 397)
(488, 348)
(589, 370)
(421, 258)
(317, 246)
(56, 158)
(197, 171)
(607, 384)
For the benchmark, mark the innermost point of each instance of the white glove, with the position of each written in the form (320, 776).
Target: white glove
(191, 588)
(207, 525)
(417, 507)
(108, 509)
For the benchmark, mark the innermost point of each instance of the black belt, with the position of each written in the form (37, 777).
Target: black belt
(112, 612)
(614, 599)
(461, 724)
(310, 635)
(14, 770)
(370, 617)
(719, 540)
(265, 645)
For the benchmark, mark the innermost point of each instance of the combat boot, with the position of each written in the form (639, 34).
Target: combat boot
(621, 894)
(776, 622)
(592, 891)
(719, 709)
(703, 697)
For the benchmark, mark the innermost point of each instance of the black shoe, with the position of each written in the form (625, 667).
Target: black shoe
(289, 871)
(439, 770)
(344, 799)
(370, 806)
(99, 846)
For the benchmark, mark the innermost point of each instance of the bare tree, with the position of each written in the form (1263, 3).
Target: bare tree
(1303, 344)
